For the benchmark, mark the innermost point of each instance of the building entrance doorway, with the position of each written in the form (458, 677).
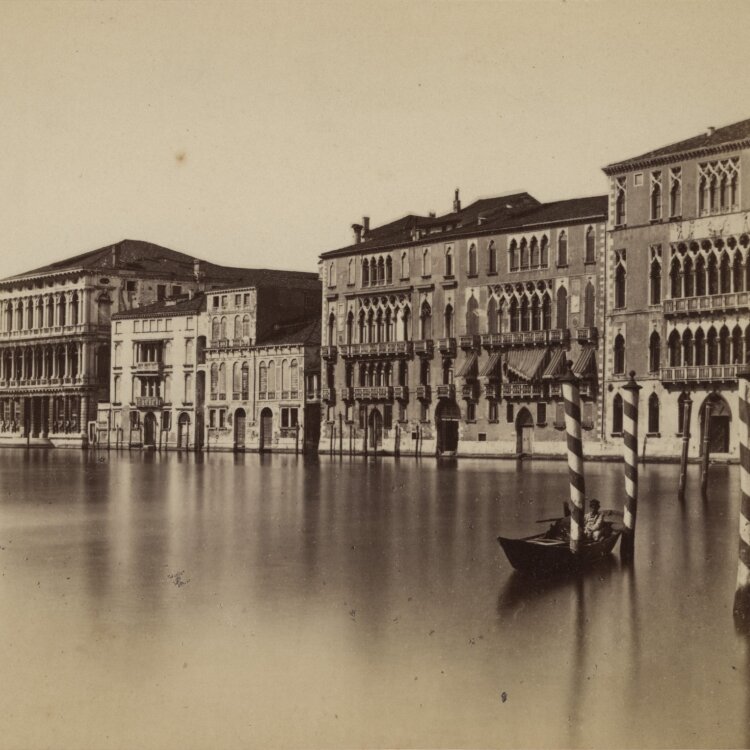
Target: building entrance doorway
(240, 421)
(375, 427)
(183, 431)
(524, 433)
(447, 417)
(266, 429)
(149, 430)
(719, 424)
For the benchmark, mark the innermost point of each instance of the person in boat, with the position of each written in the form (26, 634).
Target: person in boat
(593, 522)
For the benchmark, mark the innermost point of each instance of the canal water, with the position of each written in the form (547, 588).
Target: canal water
(159, 601)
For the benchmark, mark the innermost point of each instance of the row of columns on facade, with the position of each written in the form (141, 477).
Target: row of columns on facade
(34, 416)
(67, 308)
(45, 361)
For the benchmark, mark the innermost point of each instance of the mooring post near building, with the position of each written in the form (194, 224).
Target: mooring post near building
(572, 399)
(687, 408)
(742, 592)
(706, 446)
(630, 425)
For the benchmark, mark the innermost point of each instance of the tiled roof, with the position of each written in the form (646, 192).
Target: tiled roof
(177, 306)
(301, 332)
(503, 214)
(720, 139)
(147, 260)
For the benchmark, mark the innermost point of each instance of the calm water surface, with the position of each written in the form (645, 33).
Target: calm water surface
(154, 601)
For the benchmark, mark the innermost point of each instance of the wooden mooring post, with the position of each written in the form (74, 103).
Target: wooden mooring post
(572, 400)
(630, 425)
(397, 441)
(341, 434)
(706, 447)
(687, 408)
(741, 609)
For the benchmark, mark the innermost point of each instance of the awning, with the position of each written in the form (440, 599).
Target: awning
(525, 362)
(469, 367)
(586, 362)
(556, 364)
(490, 365)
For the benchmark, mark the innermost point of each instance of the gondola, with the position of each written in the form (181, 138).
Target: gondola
(550, 552)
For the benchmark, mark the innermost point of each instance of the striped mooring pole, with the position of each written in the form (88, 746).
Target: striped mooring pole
(630, 438)
(742, 592)
(686, 413)
(572, 400)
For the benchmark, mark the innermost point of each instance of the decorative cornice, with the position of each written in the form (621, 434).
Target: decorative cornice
(658, 161)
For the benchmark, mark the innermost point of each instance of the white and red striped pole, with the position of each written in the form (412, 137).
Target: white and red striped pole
(630, 431)
(742, 593)
(572, 401)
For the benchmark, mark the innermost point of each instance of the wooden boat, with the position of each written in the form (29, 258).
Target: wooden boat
(550, 552)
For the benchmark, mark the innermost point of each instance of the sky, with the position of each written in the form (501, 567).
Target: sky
(255, 134)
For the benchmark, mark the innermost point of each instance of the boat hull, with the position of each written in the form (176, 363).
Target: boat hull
(541, 554)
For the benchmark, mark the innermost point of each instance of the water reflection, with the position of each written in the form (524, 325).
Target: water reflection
(369, 599)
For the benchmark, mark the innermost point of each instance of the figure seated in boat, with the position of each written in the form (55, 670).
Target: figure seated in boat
(594, 527)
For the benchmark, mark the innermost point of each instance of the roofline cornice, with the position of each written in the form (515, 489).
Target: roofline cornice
(477, 232)
(658, 161)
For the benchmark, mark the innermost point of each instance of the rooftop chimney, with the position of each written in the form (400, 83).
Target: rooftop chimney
(115, 256)
(432, 214)
(710, 130)
(365, 226)
(456, 203)
(357, 229)
(197, 273)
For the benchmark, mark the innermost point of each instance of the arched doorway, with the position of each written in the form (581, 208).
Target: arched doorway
(183, 431)
(447, 417)
(524, 433)
(149, 430)
(719, 424)
(266, 429)
(240, 421)
(375, 428)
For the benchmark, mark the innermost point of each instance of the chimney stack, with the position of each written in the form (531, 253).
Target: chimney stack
(357, 229)
(365, 226)
(115, 256)
(197, 273)
(710, 130)
(456, 203)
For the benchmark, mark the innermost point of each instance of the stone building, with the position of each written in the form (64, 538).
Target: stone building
(679, 287)
(55, 332)
(445, 334)
(262, 367)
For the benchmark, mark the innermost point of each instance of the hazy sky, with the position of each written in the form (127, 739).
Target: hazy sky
(257, 133)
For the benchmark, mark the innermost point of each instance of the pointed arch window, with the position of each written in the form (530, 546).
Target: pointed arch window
(534, 252)
(449, 261)
(562, 308)
(562, 249)
(675, 192)
(331, 329)
(472, 316)
(492, 316)
(492, 257)
(406, 324)
(590, 256)
(404, 265)
(546, 312)
(655, 276)
(656, 195)
(524, 254)
(426, 262)
(352, 271)
(675, 349)
(617, 414)
(448, 320)
(654, 352)
(620, 279)
(687, 348)
(425, 321)
(365, 273)
(618, 367)
(513, 255)
(389, 270)
(544, 252)
(653, 414)
(472, 260)
(589, 310)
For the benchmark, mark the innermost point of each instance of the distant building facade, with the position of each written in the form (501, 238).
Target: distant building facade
(679, 287)
(443, 335)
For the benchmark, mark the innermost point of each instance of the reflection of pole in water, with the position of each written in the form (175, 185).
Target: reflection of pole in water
(742, 593)
(572, 399)
(577, 666)
(630, 425)
(687, 405)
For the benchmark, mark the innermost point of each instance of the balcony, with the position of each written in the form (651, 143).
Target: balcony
(469, 342)
(447, 347)
(586, 389)
(470, 391)
(311, 397)
(588, 335)
(728, 302)
(374, 393)
(535, 338)
(328, 352)
(377, 349)
(327, 394)
(446, 391)
(522, 390)
(424, 347)
(148, 368)
(49, 331)
(424, 393)
(699, 374)
(491, 340)
(347, 393)
(492, 391)
(149, 402)
(401, 392)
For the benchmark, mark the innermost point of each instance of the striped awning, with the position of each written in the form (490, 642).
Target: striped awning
(586, 362)
(490, 365)
(525, 362)
(556, 364)
(469, 367)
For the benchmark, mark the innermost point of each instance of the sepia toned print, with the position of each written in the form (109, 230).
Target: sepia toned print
(374, 376)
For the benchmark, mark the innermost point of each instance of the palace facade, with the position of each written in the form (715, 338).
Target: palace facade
(679, 287)
(444, 335)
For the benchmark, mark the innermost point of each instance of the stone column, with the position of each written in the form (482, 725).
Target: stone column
(51, 418)
(84, 415)
(85, 363)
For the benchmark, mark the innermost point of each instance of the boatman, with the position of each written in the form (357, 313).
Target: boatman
(594, 522)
